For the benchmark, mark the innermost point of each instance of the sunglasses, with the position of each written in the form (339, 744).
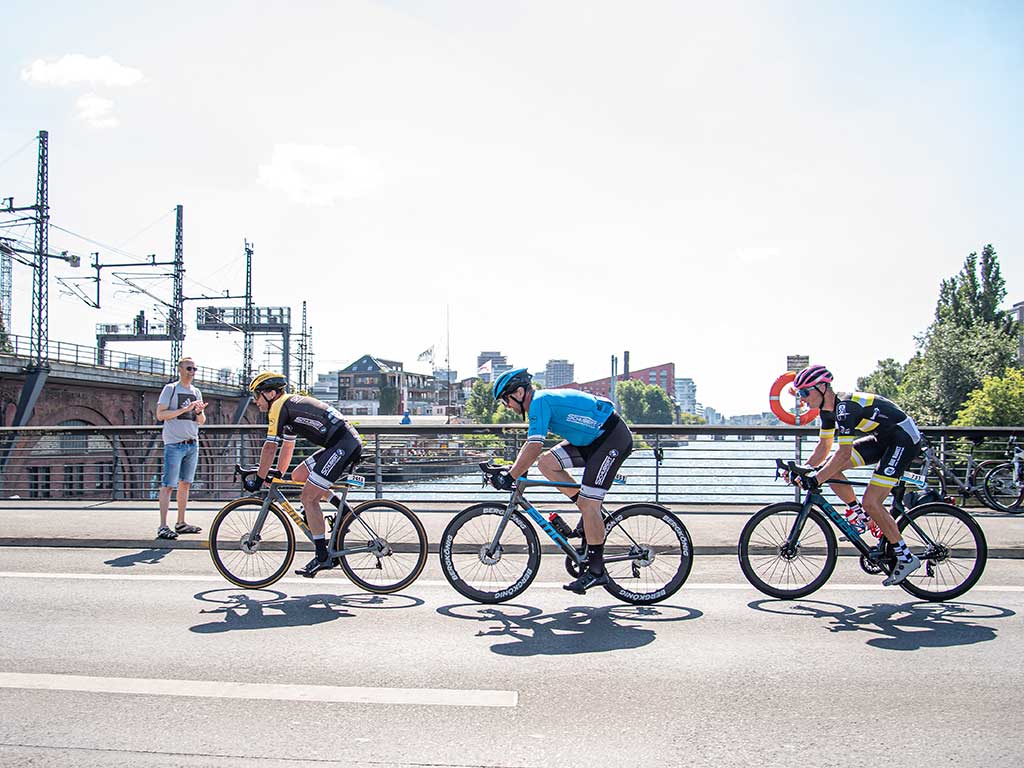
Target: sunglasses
(805, 393)
(190, 368)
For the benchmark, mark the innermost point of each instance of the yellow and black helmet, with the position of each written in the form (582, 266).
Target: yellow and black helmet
(266, 381)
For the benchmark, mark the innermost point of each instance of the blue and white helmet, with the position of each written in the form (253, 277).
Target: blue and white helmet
(509, 381)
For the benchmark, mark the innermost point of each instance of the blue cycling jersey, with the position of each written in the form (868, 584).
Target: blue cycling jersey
(569, 413)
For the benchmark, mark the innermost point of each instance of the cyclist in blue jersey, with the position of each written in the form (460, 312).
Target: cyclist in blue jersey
(595, 438)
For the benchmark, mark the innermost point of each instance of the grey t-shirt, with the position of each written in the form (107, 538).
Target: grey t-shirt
(185, 426)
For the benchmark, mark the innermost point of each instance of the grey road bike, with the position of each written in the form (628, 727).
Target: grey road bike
(1004, 483)
(940, 475)
(380, 544)
(490, 552)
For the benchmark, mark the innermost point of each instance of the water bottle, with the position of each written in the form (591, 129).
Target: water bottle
(560, 525)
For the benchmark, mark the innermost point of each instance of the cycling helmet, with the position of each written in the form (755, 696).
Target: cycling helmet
(812, 376)
(510, 380)
(266, 381)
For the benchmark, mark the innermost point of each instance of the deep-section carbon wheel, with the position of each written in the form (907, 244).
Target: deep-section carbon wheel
(396, 541)
(952, 549)
(647, 553)
(1004, 491)
(484, 573)
(247, 558)
(780, 568)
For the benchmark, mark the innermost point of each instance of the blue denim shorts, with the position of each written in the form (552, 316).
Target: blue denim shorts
(180, 461)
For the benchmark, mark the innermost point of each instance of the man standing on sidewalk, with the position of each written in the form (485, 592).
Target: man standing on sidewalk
(180, 408)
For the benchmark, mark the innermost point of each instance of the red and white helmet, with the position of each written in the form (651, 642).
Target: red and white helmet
(812, 376)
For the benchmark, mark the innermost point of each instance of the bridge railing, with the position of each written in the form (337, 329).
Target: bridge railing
(670, 464)
(93, 357)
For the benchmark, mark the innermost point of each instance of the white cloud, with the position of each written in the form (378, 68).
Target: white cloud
(318, 175)
(76, 69)
(96, 111)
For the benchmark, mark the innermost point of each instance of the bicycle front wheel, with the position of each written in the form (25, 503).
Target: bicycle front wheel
(484, 573)
(781, 568)
(1005, 491)
(247, 557)
(952, 549)
(392, 544)
(647, 554)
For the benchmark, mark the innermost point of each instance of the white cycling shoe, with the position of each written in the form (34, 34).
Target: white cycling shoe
(903, 569)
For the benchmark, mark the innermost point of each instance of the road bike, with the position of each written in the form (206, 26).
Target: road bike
(1004, 483)
(939, 474)
(381, 545)
(491, 553)
(788, 550)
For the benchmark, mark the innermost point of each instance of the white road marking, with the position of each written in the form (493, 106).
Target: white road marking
(419, 583)
(217, 689)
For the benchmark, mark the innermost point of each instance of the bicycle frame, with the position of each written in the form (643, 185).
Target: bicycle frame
(968, 485)
(275, 495)
(518, 502)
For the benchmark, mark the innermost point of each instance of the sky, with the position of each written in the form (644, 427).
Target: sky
(717, 187)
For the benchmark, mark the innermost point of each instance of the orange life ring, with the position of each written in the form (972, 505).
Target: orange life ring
(788, 417)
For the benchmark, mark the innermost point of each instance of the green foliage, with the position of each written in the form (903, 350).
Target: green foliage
(885, 380)
(388, 401)
(999, 402)
(481, 406)
(641, 403)
(505, 415)
(970, 339)
(691, 418)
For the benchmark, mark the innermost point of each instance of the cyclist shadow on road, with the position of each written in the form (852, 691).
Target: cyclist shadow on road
(578, 629)
(145, 557)
(273, 609)
(907, 627)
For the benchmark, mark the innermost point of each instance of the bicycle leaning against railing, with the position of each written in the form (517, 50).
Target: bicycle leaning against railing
(788, 550)
(938, 474)
(490, 553)
(1004, 484)
(381, 545)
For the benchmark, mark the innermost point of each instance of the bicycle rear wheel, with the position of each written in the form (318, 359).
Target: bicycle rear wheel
(397, 542)
(477, 572)
(781, 569)
(248, 558)
(1004, 491)
(952, 549)
(647, 554)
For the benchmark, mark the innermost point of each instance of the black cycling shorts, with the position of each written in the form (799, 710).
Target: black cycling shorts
(328, 464)
(892, 458)
(601, 459)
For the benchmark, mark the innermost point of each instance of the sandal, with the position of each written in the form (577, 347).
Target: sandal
(166, 533)
(186, 528)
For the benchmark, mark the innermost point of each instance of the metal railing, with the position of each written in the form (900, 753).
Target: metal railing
(93, 357)
(670, 464)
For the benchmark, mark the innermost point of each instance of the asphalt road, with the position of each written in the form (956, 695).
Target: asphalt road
(146, 658)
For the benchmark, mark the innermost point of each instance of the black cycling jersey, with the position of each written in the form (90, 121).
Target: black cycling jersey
(294, 415)
(865, 414)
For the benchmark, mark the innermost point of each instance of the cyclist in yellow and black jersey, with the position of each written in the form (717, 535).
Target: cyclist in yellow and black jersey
(291, 416)
(890, 439)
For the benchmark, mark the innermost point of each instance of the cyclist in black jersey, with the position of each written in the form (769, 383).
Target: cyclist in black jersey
(891, 440)
(291, 416)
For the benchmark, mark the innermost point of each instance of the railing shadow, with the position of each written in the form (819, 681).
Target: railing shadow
(273, 609)
(150, 556)
(575, 630)
(907, 627)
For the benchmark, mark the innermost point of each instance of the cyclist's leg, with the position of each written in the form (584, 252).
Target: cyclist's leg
(554, 463)
(891, 466)
(319, 472)
(604, 457)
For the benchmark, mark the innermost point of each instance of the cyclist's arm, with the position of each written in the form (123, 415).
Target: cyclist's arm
(284, 459)
(266, 458)
(821, 451)
(833, 467)
(527, 455)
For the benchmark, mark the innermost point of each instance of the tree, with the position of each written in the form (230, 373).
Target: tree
(971, 297)
(885, 380)
(503, 415)
(691, 418)
(481, 406)
(999, 402)
(388, 400)
(641, 403)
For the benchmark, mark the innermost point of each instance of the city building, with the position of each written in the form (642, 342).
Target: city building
(491, 364)
(663, 376)
(686, 395)
(711, 416)
(1018, 314)
(558, 373)
(326, 387)
(540, 379)
(373, 386)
